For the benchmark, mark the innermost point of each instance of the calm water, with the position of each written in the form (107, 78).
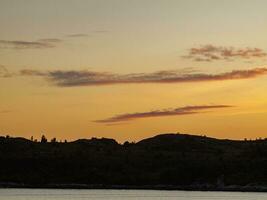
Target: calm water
(41, 194)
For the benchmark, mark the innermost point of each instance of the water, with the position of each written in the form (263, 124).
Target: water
(57, 194)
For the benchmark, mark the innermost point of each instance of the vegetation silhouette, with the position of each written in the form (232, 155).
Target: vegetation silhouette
(43, 139)
(167, 161)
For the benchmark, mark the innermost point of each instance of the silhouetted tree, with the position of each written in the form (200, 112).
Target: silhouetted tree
(53, 140)
(169, 159)
(126, 143)
(43, 139)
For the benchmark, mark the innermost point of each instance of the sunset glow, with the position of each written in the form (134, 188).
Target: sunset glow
(133, 69)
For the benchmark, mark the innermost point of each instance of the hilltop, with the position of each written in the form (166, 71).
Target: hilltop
(167, 161)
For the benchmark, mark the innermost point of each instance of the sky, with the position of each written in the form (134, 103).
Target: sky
(131, 69)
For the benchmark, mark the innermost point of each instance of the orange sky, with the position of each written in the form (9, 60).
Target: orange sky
(129, 70)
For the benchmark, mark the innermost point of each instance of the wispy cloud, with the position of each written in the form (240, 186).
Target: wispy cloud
(78, 35)
(38, 44)
(30, 72)
(5, 111)
(51, 40)
(91, 78)
(44, 42)
(90, 33)
(4, 73)
(187, 110)
(210, 53)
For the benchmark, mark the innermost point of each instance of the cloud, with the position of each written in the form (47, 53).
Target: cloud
(38, 44)
(91, 78)
(4, 73)
(44, 42)
(188, 110)
(78, 35)
(30, 72)
(210, 53)
(50, 40)
(5, 111)
(93, 32)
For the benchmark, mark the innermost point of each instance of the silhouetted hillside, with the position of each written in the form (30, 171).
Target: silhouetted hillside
(168, 161)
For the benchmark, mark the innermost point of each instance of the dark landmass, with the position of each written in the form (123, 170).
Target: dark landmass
(168, 161)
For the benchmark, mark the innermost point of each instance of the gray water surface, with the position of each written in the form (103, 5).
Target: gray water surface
(67, 194)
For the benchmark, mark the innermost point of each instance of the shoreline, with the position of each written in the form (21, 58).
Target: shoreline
(205, 187)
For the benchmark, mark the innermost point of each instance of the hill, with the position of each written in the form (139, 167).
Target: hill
(167, 161)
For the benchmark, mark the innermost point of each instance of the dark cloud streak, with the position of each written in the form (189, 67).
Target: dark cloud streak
(210, 53)
(188, 110)
(38, 44)
(91, 78)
